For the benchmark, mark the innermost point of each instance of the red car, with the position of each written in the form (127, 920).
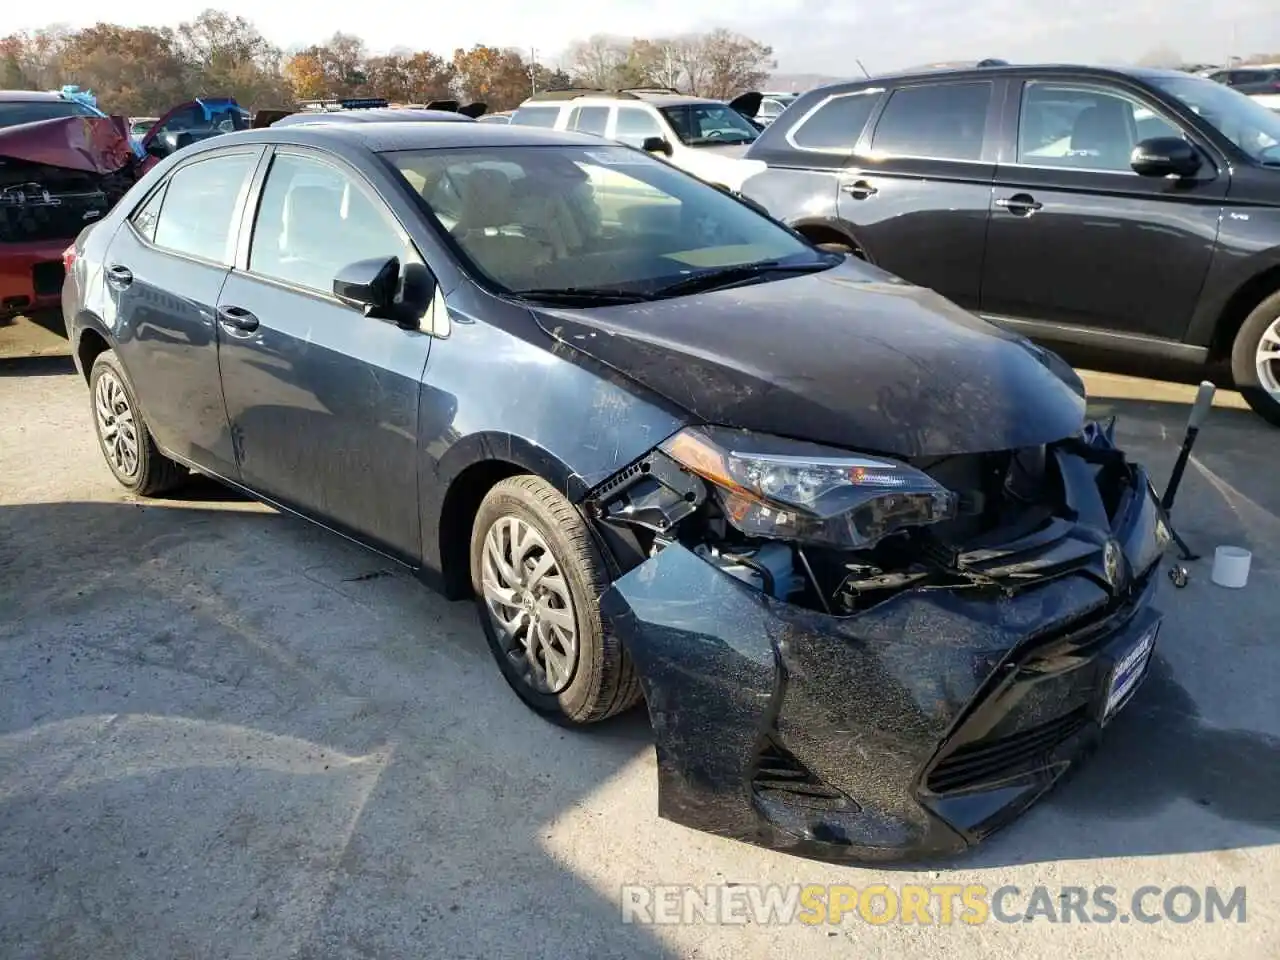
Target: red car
(63, 165)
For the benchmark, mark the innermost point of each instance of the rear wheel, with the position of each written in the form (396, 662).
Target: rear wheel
(538, 578)
(123, 436)
(1255, 359)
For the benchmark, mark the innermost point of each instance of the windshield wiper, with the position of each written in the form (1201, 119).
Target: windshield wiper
(723, 277)
(597, 296)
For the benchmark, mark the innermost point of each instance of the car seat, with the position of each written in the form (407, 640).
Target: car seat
(1102, 133)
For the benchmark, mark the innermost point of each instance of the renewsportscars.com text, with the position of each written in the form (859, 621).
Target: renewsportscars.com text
(928, 904)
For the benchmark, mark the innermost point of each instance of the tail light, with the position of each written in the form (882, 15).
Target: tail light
(69, 258)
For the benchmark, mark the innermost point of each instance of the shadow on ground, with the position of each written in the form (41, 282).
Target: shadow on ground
(225, 731)
(220, 736)
(36, 366)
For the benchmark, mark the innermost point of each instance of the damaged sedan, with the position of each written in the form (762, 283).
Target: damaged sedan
(63, 164)
(876, 579)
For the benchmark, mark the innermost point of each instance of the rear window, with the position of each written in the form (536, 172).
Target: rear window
(836, 124)
(14, 112)
(536, 116)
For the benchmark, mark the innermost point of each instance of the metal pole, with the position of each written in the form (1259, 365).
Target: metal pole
(1199, 411)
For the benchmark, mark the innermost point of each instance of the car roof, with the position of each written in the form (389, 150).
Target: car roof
(384, 137)
(625, 96)
(373, 115)
(32, 96)
(973, 72)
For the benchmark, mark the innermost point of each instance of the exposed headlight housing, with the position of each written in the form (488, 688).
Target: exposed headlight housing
(787, 490)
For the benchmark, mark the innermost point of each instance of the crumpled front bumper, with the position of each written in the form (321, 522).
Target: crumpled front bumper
(912, 729)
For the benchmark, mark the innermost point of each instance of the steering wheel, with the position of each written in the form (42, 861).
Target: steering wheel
(716, 135)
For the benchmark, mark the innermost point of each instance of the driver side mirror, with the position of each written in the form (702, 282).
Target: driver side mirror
(1165, 157)
(657, 145)
(380, 290)
(157, 148)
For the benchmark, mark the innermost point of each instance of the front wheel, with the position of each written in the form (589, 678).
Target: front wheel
(1255, 359)
(538, 578)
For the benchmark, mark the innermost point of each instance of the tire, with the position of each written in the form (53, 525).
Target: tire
(598, 681)
(113, 404)
(1262, 396)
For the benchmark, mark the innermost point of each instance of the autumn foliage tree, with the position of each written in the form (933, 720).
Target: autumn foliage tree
(497, 77)
(718, 64)
(146, 70)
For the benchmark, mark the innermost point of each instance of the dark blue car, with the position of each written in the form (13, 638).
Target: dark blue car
(877, 580)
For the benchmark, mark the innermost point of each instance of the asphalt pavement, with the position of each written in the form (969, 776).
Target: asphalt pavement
(227, 733)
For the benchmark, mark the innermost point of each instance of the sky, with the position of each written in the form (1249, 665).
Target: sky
(808, 36)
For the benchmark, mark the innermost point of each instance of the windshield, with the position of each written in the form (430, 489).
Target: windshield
(1245, 122)
(709, 124)
(576, 218)
(14, 112)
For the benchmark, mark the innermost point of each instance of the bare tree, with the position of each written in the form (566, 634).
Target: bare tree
(1161, 57)
(598, 61)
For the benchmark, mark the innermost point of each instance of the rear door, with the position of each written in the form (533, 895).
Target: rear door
(323, 401)
(164, 271)
(918, 188)
(1077, 238)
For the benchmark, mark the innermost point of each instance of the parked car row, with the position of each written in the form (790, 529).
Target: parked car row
(59, 172)
(1132, 211)
(876, 578)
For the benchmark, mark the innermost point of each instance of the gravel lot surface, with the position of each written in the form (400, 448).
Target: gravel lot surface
(227, 733)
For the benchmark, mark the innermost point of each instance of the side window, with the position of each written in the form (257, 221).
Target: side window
(201, 200)
(314, 219)
(940, 121)
(837, 124)
(593, 120)
(146, 217)
(1082, 127)
(536, 116)
(636, 125)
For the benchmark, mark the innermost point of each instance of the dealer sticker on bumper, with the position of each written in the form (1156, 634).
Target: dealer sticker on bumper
(1128, 671)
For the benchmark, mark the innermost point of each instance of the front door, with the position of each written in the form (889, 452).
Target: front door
(323, 401)
(918, 193)
(164, 272)
(1077, 238)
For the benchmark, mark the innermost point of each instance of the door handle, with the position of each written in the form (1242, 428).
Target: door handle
(860, 189)
(1020, 204)
(238, 318)
(119, 276)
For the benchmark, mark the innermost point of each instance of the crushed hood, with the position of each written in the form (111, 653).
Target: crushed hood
(849, 357)
(90, 144)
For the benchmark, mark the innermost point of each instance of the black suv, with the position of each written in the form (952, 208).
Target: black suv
(1133, 210)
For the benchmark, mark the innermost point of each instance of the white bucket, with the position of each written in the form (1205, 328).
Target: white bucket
(1231, 567)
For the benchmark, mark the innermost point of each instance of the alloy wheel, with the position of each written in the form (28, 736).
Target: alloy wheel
(1267, 360)
(529, 605)
(117, 428)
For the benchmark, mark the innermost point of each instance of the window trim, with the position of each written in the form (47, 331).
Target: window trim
(253, 206)
(1101, 87)
(254, 152)
(989, 136)
(790, 135)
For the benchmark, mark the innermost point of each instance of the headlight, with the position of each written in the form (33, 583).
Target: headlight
(787, 490)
